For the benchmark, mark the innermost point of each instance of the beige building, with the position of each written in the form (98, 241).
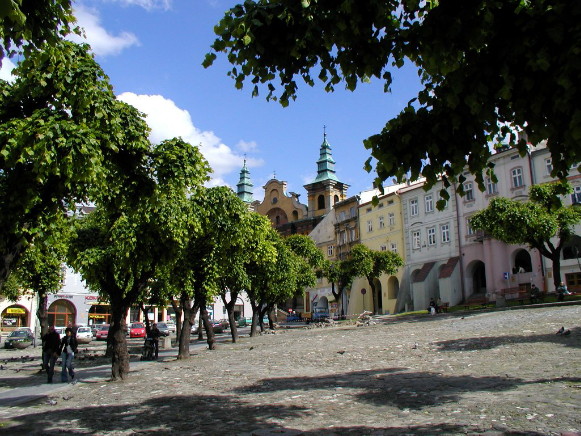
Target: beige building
(380, 229)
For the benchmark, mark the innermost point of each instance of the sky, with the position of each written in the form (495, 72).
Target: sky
(152, 51)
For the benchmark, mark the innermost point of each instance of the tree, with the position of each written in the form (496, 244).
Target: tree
(340, 274)
(487, 68)
(119, 248)
(63, 136)
(33, 23)
(372, 264)
(535, 222)
(41, 269)
(234, 278)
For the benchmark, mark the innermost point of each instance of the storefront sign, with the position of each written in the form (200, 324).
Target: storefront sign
(68, 297)
(91, 297)
(16, 310)
(92, 315)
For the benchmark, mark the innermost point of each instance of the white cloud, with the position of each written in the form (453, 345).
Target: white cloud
(247, 146)
(6, 70)
(167, 120)
(101, 41)
(148, 4)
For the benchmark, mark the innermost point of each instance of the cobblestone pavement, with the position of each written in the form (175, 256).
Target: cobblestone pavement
(499, 372)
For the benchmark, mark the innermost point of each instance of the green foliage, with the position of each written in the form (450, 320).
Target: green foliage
(33, 23)
(372, 264)
(487, 67)
(63, 138)
(533, 222)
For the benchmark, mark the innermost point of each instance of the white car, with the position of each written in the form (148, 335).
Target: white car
(84, 335)
(60, 331)
(171, 326)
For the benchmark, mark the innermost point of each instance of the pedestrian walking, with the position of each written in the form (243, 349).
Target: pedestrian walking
(154, 334)
(51, 342)
(68, 349)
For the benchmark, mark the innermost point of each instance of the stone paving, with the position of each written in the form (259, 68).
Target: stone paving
(478, 372)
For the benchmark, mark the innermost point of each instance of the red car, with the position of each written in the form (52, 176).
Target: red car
(102, 332)
(137, 330)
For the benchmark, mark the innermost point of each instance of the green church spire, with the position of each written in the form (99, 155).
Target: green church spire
(244, 185)
(325, 164)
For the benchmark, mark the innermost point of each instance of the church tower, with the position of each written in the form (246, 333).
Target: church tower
(244, 185)
(326, 189)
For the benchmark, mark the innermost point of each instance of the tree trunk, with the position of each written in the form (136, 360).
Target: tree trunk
(200, 328)
(255, 315)
(118, 341)
(230, 309)
(232, 322)
(42, 313)
(178, 311)
(210, 337)
(556, 258)
(145, 311)
(189, 310)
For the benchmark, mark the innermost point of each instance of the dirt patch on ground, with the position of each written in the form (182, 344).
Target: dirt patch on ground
(502, 372)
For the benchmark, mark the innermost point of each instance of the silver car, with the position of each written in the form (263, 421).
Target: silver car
(84, 335)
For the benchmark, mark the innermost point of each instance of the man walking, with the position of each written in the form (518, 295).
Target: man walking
(68, 349)
(51, 342)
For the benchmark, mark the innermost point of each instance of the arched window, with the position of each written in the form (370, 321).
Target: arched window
(522, 262)
(335, 199)
(572, 249)
(321, 202)
(61, 313)
(295, 215)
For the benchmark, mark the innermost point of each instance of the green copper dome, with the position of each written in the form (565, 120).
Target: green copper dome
(244, 185)
(325, 164)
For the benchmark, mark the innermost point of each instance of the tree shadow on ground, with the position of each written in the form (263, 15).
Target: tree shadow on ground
(210, 415)
(489, 342)
(395, 387)
(165, 415)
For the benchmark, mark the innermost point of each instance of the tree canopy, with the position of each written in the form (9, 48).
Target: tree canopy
(543, 222)
(64, 137)
(487, 68)
(31, 23)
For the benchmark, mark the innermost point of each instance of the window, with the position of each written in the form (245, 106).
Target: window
(352, 212)
(380, 205)
(576, 196)
(381, 222)
(445, 232)
(548, 166)
(416, 239)
(491, 187)
(342, 216)
(468, 191)
(517, 180)
(469, 230)
(343, 237)
(429, 202)
(368, 210)
(330, 249)
(394, 247)
(321, 202)
(369, 226)
(389, 201)
(391, 218)
(383, 248)
(432, 236)
(353, 235)
(414, 207)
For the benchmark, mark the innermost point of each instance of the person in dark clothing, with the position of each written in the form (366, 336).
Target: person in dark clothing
(154, 334)
(67, 350)
(51, 342)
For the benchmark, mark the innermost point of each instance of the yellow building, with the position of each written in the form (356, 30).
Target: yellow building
(380, 229)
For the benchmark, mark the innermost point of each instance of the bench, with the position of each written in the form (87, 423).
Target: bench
(444, 307)
(478, 303)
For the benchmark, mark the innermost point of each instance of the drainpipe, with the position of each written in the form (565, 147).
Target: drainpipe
(462, 287)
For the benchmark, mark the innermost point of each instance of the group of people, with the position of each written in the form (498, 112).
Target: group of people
(435, 306)
(562, 291)
(53, 347)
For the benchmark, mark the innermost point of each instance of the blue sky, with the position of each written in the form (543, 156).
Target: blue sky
(152, 51)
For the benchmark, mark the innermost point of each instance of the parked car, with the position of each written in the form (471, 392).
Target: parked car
(84, 335)
(244, 321)
(217, 326)
(137, 330)
(171, 326)
(20, 338)
(102, 332)
(163, 328)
